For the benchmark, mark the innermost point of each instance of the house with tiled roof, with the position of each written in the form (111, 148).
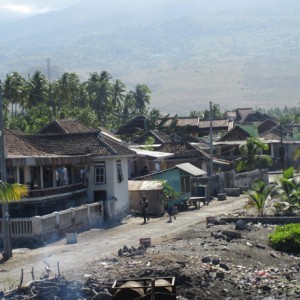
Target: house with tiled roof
(246, 116)
(194, 153)
(266, 125)
(254, 118)
(281, 149)
(159, 137)
(186, 125)
(67, 169)
(63, 126)
(219, 127)
(240, 133)
(242, 113)
(134, 126)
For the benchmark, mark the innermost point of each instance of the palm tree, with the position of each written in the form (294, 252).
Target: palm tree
(117, 102)
(68, 87)
(142, 97)
(288, 190)
(251, 155)
(8, 193)
(117, 98)
(14, 92)
(259, 196)
(38, 89)
(100, 91)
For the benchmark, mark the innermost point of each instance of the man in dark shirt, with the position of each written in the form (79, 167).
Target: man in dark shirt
(144, 206)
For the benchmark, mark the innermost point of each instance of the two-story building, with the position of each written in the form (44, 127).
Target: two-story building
(66, 169)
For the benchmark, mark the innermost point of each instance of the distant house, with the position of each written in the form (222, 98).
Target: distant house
(187, 125)
(266, 126)
(147, 161)
(240, 133)
(184, 152)
(159, 137)
(64, 126)
(133, 127)
(219, 127)
(245, 116)
(279, 138)
(65, 170)
(178, 177)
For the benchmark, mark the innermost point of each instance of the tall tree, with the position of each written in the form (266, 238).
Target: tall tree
(37, 89)
(142, 96)
(117, 102)
(14, 92)
(99, 89)
(117, 94)
(128, 108)
(216, 112)
(68, 89)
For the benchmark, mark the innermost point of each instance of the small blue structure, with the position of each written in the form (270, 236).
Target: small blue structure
(179, 178)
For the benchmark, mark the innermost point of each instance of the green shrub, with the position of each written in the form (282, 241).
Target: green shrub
(286, 238)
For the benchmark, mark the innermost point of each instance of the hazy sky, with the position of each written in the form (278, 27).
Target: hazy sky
(21, 8)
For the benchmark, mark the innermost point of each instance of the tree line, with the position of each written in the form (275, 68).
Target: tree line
(101, 100)
(28, 104)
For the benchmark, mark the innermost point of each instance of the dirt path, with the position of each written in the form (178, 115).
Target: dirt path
(96, 243)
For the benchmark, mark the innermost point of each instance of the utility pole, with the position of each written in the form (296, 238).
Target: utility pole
(48, 69)
(7, 251)
(282, 150)
(211, 164)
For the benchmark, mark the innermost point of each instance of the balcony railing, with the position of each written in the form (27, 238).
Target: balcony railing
(56, 190)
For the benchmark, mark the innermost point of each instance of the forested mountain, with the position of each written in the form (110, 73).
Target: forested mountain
(231, 52)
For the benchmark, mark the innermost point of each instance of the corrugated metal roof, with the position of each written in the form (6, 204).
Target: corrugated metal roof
(191, 169)
(144, 185)
(155, 154)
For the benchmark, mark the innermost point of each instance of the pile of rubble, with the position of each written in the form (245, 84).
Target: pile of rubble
(217, 260)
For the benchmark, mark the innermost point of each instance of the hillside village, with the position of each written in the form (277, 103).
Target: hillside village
(81, 177)
(170, 195)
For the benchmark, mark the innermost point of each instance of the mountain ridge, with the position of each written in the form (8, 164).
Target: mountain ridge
(232, 55)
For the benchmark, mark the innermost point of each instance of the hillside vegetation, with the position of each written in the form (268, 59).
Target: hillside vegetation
(187, 52)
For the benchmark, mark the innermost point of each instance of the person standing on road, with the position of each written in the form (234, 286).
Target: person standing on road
(144, 206)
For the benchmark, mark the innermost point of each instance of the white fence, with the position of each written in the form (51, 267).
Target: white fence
(56, 225)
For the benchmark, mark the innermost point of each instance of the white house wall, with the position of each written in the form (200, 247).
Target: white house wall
(113, 188)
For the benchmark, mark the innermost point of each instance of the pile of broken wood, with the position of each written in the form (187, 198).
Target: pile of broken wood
(57, 288)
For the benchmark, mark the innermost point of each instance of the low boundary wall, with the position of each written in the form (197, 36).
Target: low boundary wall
(48, 228)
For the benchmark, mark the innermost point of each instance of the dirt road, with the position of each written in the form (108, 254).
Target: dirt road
(96, 243)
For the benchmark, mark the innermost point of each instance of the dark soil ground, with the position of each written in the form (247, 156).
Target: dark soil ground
(207, 261)
(210, 263)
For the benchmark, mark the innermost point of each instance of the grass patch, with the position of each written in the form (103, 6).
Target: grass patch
(286, 238)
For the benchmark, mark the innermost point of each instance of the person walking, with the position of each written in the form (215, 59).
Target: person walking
(144, 205)
(171, 210)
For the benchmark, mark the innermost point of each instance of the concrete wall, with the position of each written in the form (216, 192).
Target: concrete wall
(245, 179)
(51, 227)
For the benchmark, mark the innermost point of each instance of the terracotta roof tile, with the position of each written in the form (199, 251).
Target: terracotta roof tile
(64, 126)
(82, 143)
(16, 146)
(184, 121)
(215, 123)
